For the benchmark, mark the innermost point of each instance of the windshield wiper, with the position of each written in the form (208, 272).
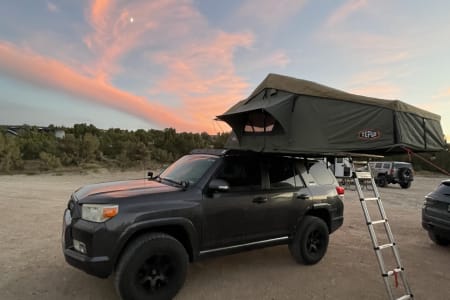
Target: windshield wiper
(184, 184)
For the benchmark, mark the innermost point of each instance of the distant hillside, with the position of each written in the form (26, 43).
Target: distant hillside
(30, 149)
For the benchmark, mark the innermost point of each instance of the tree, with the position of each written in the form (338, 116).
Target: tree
(69, 150)
(10, 157)
(89, 147)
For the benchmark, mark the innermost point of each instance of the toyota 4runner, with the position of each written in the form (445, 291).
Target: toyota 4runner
(209, 202)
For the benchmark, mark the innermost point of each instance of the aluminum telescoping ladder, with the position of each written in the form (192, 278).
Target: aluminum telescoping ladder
(366, 176)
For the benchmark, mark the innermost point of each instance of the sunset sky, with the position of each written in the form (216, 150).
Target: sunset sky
(166, 63)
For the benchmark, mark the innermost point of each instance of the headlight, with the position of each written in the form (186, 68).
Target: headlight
(98, 212)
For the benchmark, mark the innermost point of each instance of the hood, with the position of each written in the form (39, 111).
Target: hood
(121, 189)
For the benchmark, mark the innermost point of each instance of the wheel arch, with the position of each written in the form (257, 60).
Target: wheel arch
(180, 229)
(321, 213)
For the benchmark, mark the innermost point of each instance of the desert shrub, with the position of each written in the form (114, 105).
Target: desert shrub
(49, 161)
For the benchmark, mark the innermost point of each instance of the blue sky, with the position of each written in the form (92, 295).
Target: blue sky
(166, 63)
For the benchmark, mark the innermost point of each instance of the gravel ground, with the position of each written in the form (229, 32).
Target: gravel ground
(32, 265)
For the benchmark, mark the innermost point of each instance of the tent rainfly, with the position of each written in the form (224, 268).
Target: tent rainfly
(289, 115)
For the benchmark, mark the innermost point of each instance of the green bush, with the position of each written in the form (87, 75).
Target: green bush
(49, 161)
(10, 156)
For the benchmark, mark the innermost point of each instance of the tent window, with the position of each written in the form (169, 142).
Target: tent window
(259, 122)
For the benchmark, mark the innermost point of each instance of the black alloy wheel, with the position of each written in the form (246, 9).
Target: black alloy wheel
(152, 267)
(310, 242)
(155, 273)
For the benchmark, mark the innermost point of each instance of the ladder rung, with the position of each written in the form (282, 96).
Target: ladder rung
(369, 199)
(404, 297)
(363, 175)
(384, 246)
(377, 222)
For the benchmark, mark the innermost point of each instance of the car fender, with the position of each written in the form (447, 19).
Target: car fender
(145, 226)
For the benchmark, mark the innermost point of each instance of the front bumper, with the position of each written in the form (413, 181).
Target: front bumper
(91, 263)
(99, 266)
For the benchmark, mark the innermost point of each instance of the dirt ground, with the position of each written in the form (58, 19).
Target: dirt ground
(33, 267)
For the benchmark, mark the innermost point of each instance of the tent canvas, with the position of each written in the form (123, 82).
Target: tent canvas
(289, 115)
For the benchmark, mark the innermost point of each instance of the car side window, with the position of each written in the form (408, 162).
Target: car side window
(282, 174)
(321, 173)
(241, 173)
(315, 172)
(443, 189)
(301, 168)
(387, 166)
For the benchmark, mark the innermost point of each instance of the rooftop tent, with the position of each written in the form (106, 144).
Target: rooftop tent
(289, 115)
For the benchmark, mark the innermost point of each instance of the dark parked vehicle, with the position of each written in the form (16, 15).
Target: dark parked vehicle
(209, 202)
(436, 214)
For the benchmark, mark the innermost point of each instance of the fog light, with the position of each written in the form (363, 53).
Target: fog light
(79, 246)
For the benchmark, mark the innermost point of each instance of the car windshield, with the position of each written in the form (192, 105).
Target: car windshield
(188, 169)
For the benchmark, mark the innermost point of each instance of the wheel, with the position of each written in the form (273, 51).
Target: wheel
(152, 267)
(438, 239)
(310, 242)
(382, 181)
(405, 185)
(405, 176)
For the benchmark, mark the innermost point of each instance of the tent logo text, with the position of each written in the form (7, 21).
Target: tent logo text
(369, 134)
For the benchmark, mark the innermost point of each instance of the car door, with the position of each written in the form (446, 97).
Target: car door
(226, 213)
(287, 198)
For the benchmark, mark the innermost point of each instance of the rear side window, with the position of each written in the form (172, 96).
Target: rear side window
(403, 165)
(282, 173)
(444, 189)
(321, 173)
(315, 173)
(386, 166)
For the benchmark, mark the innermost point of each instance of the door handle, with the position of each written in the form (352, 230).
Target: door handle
(304, 197)
(260, 200)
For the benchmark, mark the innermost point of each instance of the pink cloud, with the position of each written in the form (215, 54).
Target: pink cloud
(378, 90)
(154, 24)
(375, 83)
(445, 93)
(278, 59)
(29, 67)
(199, 77)
(391, 57)
(346, 10)
(202, 76)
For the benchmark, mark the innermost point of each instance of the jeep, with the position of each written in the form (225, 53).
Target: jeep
(386, 172)
(210, 202)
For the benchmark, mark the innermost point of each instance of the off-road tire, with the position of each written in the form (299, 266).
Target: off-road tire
(152, 267)
(310, 241)
(405, 185)
(438, 239)
(381, 181)
(405, 176)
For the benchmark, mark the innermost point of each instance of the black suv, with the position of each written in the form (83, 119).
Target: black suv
(436, 214)
(209, 202)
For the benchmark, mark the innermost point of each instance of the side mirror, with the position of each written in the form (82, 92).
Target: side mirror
(219, 185)
(150, 175)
